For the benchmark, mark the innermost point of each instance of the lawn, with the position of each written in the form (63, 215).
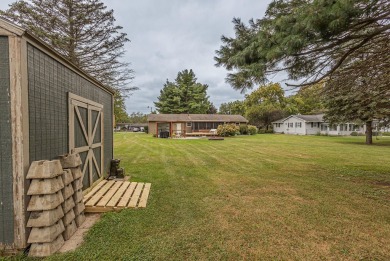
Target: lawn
(257, 197)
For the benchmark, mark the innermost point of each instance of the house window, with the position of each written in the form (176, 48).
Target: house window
(298, 124)
(290, 124)
(189, 124)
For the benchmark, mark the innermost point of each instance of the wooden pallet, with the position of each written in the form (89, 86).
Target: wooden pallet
(114, 195)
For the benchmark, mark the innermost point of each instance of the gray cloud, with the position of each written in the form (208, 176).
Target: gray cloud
(170, 36)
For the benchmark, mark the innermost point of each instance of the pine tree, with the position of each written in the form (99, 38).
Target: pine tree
(309, 40)
(83, 31)
(185, 95)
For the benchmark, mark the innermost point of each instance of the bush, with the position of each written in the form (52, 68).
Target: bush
(146, 129)
(244, 129)
(252, 130)
(227, 130)
(269, 131)
(261, 131)
(386, 133)
(354, 133)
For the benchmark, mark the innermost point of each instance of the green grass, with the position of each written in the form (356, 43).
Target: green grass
(262, 197)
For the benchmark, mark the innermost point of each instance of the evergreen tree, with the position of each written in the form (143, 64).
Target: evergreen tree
(83, 31)
(185, 95)
(309, 40)
(360, 92)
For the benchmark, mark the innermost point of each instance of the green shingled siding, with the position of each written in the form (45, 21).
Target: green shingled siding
(49, 83)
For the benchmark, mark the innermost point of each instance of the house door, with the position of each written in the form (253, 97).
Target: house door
(86, 136)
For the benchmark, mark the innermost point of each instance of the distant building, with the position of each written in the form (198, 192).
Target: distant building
(314, 124)
(135, 127)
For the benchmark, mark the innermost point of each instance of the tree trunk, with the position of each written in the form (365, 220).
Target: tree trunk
(368, 132)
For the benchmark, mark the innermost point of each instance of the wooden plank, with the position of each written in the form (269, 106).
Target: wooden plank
(19, 114)
(126, 197)
(144, 196)
(110, 193)
(94, 190)
(100, 193)
(84, 100)
(118, 194)
(135, 197)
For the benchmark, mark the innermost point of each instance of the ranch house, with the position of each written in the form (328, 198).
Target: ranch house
(314, 124)
(183, 125)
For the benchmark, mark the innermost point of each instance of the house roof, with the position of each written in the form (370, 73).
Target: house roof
(306, 118)
(196, 117)
(9, 28)
(311, 118)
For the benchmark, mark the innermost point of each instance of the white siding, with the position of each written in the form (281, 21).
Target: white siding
(290, 126)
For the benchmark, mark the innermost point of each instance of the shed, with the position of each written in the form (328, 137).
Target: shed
(49, 107)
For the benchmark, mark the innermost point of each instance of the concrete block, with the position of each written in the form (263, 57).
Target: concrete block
(67, 177)
(44, 169)
(45, 202)
(77, 184)
(45, 186)
(77, 173)
(67, 191)
(80, 219)
(70, 230)
(70, 160)
(78, 196)
(79, 208)
(68, 205)
(45, 218)
(46, 234)
(46, 249)
(69, 217)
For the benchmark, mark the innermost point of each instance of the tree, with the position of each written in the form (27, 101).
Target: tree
(308, 100)
(82, 31)
(138, 117)
(360, 91)
(265, 105)
(212, 109)
(234, 108)
(185, 95)
(310, 40)
(120, 113)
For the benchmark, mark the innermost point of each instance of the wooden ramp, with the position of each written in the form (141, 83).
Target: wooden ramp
(114, 195)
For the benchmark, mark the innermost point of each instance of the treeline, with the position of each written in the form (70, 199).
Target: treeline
(269, 103)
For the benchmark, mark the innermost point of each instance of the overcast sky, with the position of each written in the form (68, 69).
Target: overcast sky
(170, 36)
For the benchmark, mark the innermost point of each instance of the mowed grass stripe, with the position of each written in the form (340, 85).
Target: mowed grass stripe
(262, 197)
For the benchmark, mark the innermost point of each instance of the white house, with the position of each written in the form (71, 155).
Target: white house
(313, 124)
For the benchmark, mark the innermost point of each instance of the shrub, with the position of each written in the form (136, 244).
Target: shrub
(244, 129)
(261, 131)
(354, 133)
(386, 133)
(252, 130)
(146, 129)
(227, 130)
(269, 131)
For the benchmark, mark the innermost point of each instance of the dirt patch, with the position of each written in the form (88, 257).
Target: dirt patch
(383, 183)
(77, 239)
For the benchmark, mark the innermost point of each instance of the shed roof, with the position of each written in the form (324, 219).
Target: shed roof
(196, 117)
(13, 29)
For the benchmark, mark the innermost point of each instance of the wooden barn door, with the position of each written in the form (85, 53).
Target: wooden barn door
(86, 136)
